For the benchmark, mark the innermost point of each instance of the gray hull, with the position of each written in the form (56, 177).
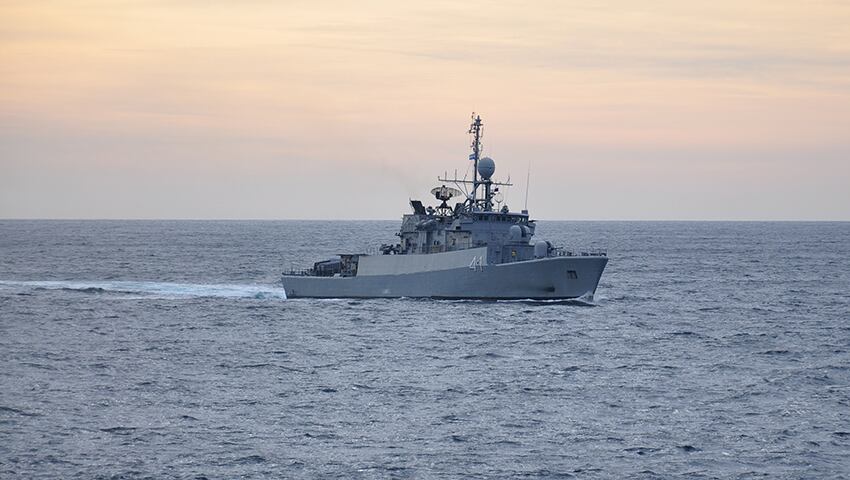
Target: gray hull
(544, 279)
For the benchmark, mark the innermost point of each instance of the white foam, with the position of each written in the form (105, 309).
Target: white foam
(161, 289)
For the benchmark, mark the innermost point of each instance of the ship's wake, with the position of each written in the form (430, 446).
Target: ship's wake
(153, 289)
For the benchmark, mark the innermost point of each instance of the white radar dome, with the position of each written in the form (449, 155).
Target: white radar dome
(486, 167)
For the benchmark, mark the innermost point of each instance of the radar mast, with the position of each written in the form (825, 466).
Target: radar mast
(475, 129)
(483, 167)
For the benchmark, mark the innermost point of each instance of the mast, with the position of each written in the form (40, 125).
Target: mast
(527, 180)
(475, 130)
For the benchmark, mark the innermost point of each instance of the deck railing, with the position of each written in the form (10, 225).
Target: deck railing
(296, 272)
(562, 252)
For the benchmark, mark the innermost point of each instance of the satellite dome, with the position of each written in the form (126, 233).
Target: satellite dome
(486, 167)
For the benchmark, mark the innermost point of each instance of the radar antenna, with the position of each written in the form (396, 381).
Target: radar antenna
(444, 193)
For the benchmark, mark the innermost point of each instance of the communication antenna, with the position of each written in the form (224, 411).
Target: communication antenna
(527, 180)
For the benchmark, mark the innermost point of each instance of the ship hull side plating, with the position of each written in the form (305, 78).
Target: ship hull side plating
(544, 279)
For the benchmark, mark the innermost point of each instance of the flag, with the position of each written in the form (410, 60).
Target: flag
(472, 156)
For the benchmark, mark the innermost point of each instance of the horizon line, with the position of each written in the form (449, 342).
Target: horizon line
(153, 219)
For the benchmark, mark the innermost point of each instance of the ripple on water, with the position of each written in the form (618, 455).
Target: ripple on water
(166, 350)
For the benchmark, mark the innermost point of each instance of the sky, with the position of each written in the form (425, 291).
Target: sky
(261, 109)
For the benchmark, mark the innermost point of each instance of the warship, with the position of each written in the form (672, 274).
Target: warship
(476, 249)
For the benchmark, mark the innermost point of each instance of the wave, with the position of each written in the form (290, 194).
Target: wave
(156, 289)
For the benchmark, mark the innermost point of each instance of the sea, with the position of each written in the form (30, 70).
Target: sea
(168, 349)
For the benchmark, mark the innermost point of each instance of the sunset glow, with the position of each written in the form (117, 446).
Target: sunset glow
(257, 109)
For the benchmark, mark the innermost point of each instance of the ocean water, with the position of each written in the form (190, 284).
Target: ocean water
(167, 349)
